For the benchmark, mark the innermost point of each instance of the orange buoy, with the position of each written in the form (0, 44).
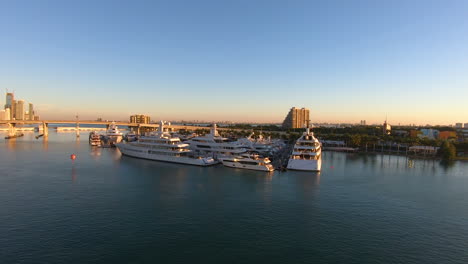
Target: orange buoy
(72, 156)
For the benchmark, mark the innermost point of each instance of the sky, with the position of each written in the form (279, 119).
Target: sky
(241, 61)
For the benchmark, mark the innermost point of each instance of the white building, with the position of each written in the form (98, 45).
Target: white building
(7, 114)
(2, 115)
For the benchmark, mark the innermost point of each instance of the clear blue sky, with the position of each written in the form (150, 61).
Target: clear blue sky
(239, 60)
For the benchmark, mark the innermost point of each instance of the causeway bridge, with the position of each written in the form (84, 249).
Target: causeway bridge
(12, 124)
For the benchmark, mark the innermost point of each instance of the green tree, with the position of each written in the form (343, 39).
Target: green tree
(447, 151)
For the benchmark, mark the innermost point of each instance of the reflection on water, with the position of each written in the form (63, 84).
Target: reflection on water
(73, 172)
(11, 144)
(45, 143)
(233, 213)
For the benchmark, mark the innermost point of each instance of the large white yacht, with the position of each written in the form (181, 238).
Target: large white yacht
(248, 161)
(216, 145)
(262, 145)
(162, 147)
(306, 154)
(113, 134)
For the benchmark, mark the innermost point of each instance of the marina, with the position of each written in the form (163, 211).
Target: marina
(95, 199)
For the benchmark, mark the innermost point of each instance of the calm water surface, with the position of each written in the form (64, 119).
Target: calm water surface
(104, 208)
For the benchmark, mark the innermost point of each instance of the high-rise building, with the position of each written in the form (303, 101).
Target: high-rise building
(363, 122)
(458, 125)
(13, 110)
(19, 110)
(31, 112)
(9, 100)
(297, 118)
(140, 119)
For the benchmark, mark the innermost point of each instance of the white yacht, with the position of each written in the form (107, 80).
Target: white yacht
(94, 139)
(130, 137)
(113, 134)
(216, 145)
(306, 154)
(262, 145)
(248, 161)
(162, 147)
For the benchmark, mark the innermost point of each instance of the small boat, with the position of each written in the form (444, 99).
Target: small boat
(130, 137)
(15, 136)
(94, 139)
(249, 162)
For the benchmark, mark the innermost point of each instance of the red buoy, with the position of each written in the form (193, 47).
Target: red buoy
(72, 156)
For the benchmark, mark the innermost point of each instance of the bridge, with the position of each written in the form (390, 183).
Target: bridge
(137, 126)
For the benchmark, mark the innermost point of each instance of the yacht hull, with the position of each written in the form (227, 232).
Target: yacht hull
(305, 165)
(145, 154)
(244, 166)
(115, 139)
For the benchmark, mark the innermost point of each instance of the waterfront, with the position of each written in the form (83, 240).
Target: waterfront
(104, 208)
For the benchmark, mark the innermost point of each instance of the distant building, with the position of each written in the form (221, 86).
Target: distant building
(400, 133)
(386, 128)
(363, 122)
(296, 118)
(13, 110)
(2, 115)
(7, 114)
(429, 133)
(36, 118)
(140, 119)
(466, 125)
(458, 125)
(447, 134)
(19, 115)
(414, 133)
(31, 112)
(9, 100)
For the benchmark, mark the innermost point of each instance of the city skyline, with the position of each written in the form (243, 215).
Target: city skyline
(241, 61)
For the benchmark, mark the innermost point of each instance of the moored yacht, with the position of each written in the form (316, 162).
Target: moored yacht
(113, 134)
(161, 146)
(307, 153)
(215, 145)
(94, 139)
(248, 161)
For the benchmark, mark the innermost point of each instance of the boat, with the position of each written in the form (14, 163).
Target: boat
(248, 161)
(161, 146)
(130, 137)
(215, 145)
(17, 135)
(307, 153)
(113, 135)
(261, 145)
(94, 139)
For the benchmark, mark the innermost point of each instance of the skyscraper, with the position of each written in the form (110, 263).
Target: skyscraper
(297, 118)
(10, 97)
(13, 110)
(19, 110)
(31, 112)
